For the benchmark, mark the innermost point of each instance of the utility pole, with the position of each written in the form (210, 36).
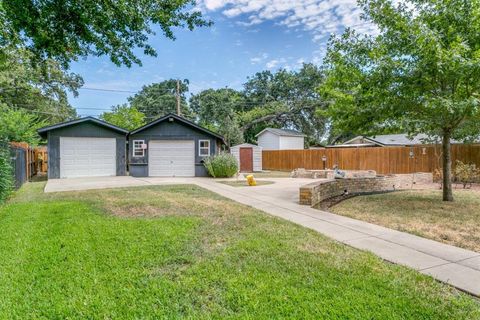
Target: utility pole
(178, 98)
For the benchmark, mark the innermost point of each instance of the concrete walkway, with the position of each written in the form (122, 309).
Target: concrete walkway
(456, 266)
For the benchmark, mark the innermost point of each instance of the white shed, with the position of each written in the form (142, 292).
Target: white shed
(249, 157)
(280, 139)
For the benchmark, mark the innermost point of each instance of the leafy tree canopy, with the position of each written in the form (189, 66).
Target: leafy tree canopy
(285, 99)
(66, 30)
(39, 87)
(158, 99)
(19, 125)
(217, 110)
(420, 74)
(124, 116)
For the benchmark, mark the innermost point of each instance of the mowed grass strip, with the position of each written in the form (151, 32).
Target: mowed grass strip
(244, 183)
(184, 252)
(421, 212)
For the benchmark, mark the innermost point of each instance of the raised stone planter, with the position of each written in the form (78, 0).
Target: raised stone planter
(329, 174)
(316, 192)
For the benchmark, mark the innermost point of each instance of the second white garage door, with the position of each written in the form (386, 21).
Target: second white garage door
(87, 157)
(171, 158)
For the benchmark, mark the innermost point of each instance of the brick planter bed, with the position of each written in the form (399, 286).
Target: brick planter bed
(314, 193)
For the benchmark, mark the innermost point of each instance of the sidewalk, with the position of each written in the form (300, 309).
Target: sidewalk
(455, 266)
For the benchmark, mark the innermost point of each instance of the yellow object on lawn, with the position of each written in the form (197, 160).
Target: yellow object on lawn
(251, 180)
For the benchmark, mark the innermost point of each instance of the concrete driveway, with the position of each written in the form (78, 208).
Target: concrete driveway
(456, 266)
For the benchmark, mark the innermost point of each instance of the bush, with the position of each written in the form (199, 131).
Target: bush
(466, 173)
(6, 175)
(223, 165)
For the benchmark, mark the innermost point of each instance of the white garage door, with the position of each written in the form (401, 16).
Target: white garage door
(87, 157)
(171, 158)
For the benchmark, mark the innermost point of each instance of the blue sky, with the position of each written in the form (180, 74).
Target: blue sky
(247, 36)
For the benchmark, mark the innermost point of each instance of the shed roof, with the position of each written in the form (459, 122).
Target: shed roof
(248, 145)
(182, 120)
(43, 131)
(282, 132)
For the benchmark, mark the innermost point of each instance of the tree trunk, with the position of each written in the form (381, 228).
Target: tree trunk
(447, 167)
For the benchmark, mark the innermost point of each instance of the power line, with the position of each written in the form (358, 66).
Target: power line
(107, 90)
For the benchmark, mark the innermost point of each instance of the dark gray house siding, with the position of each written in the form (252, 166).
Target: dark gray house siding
(87, 129)
(171, 130)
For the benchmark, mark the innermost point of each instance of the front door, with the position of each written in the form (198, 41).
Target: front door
(246, 159)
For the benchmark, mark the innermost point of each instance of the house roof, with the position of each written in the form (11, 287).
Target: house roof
(182, 120)
(401, 139)
(43, 131)
(282, 132)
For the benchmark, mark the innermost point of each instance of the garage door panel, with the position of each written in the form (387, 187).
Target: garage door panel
(87, 157)
(172, 158)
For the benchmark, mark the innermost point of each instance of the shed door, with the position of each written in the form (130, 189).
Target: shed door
(171, 158)
(246, 159)
(87, 157)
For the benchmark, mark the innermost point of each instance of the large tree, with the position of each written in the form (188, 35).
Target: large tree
(285, 99)
(37, 87)
(420, 74)
(124, 116)
(68, 29)
(158, 99)
(19, 125)
(218, 110)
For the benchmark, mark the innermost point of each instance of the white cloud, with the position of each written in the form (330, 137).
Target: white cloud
(257, 59)
(272, 64)
(320, 17)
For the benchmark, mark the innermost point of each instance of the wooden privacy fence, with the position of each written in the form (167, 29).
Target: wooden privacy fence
(27, 161)
(384, 160)
(41, 159)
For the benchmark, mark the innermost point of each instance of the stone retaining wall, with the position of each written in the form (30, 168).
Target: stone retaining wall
(316, 192)
(329, 174)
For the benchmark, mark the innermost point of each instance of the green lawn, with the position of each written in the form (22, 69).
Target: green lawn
(183, 252)
(421, 212)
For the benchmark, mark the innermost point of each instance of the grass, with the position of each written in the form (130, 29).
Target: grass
(244, 183)
(183, 252)
(270, 174)
(422, 212)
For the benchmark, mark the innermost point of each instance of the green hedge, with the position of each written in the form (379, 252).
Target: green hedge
(6, 175)
(223, 165)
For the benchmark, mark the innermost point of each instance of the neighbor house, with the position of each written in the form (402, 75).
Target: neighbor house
(171, 146)
(280, 139)
(85, 147)
(388, 140)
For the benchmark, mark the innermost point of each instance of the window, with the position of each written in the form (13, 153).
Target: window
(204, 148)
(138, 150)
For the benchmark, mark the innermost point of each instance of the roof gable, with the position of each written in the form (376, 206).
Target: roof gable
(181, 120)
(43, 131)
(282, 132)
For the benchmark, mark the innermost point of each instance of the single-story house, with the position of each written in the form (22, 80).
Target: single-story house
(280, 139)
(249, 157)
(171, 146)
(388, 140)
(85, 147)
